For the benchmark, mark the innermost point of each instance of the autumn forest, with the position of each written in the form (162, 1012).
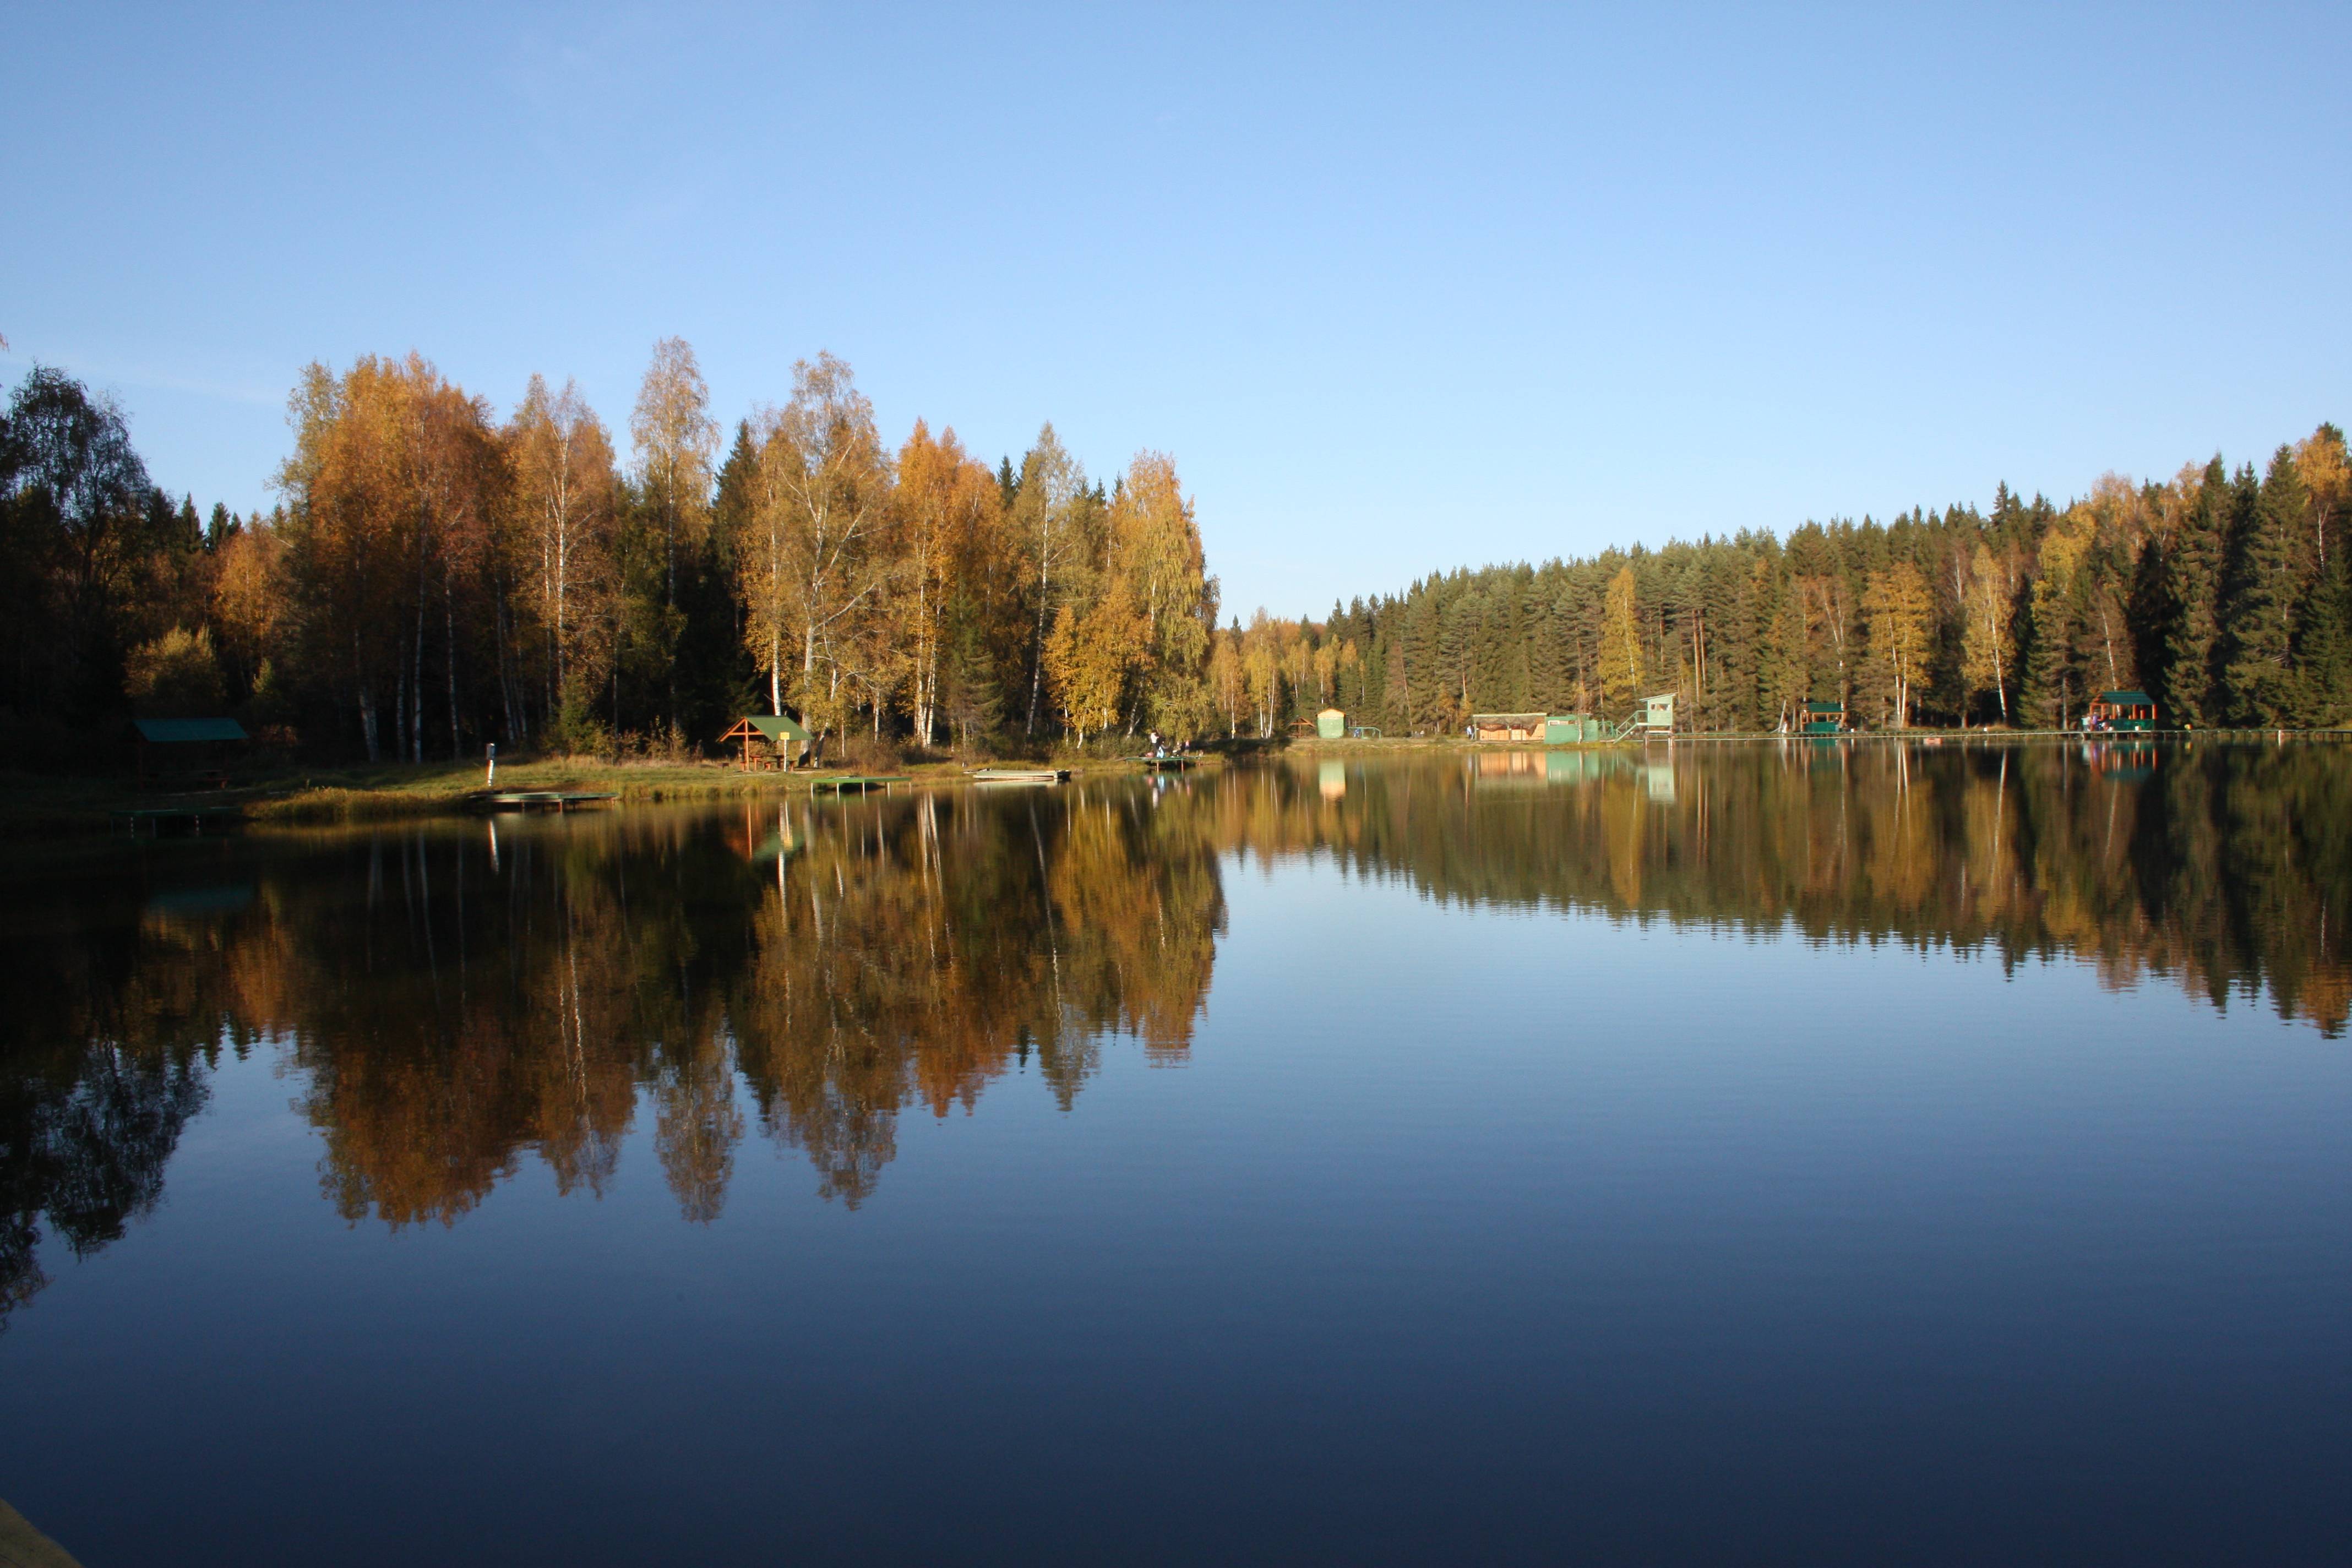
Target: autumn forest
(434, 576)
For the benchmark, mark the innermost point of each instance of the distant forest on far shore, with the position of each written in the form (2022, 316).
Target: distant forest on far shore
(2227, 595)
(435, 577)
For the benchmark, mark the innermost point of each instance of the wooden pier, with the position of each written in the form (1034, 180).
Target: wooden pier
(1021, 776)
(1175, 764)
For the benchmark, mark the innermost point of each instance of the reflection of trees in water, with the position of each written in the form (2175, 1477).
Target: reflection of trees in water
(2223, 867)
(915, 954)
(86, 1152)
(456, 998)
(103, 1046)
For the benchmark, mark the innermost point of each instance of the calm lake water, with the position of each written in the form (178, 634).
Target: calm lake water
(1787, 1152)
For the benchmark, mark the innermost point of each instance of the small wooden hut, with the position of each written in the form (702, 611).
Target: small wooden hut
(1825, 719)
(198, 747)
(2124, 711)
(786, 742)
(1508, 726)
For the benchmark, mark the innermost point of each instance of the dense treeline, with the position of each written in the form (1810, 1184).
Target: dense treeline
(436, 577)
(2227, 595)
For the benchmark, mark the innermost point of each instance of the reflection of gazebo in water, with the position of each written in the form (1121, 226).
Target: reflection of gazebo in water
(789, 741)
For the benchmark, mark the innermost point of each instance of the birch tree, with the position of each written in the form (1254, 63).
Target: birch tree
(564, 501)
(812, 563)
(1985, 635)
(1044, 520)
(676, 439)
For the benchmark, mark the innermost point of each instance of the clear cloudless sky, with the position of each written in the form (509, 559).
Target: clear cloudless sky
(1400, 288)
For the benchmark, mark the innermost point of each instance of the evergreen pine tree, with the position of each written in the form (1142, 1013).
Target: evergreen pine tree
(2323, 671)
(2258, 673)
(2193, 580)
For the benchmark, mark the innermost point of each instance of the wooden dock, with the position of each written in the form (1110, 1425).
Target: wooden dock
(1021, 776)
(857, 784)
(554, 800)
(1175, 764)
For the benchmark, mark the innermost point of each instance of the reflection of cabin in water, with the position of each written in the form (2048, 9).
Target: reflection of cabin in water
(1824, 718)
(1508, 726)
(1495, 767)
(2122, 761)
(2126, 711)
(1581, 767)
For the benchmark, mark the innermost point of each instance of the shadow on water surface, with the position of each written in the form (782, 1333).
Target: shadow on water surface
(449, 998)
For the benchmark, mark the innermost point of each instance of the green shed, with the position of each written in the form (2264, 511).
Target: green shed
(197, 744)
(1331, 724)
(1824, 718)
(1574, 728)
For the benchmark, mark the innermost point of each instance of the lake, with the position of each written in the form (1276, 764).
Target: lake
(1805, 1152)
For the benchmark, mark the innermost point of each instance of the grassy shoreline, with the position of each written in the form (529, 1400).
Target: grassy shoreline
(35, 805)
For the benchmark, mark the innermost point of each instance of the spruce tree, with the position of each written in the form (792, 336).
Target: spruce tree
(2193, 580)
(2258, 673)
(2323, 671)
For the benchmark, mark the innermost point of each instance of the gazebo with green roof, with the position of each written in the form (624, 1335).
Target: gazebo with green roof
(2124, 711)
(789, 739)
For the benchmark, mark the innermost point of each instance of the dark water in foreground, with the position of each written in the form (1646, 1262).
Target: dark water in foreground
(1809, 1154)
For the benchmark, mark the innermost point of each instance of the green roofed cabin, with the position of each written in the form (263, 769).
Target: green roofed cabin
(1824, 718)
(198, 746)
(2126, 711)
(787, 743)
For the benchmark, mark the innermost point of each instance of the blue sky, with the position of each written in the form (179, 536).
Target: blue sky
(1400, 288)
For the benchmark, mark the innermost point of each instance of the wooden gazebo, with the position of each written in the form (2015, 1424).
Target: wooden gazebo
(2123, 710)
(784, 735)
